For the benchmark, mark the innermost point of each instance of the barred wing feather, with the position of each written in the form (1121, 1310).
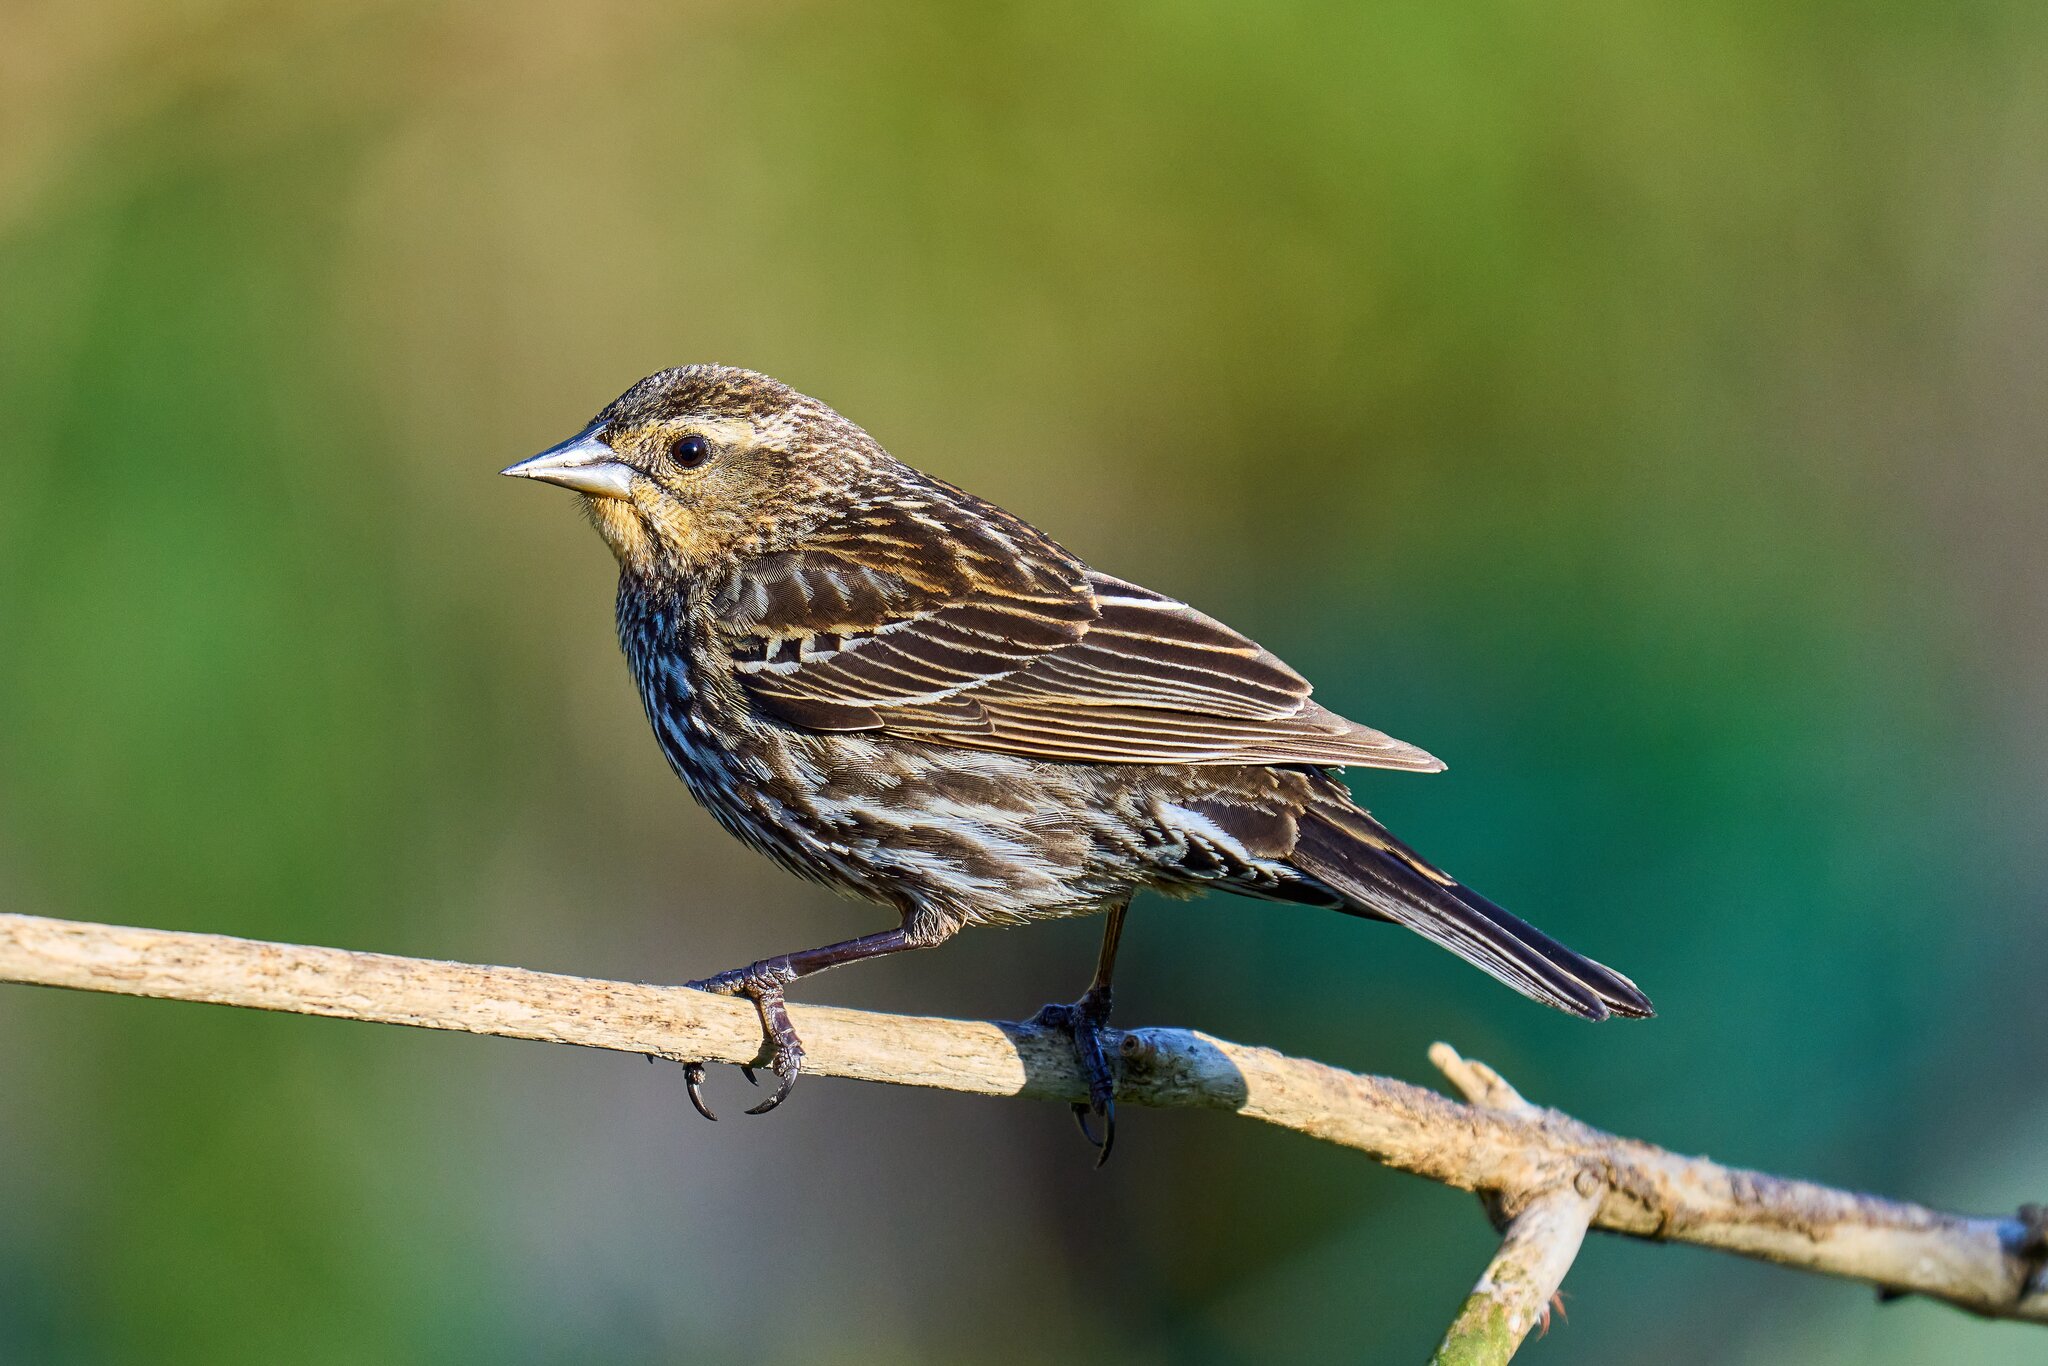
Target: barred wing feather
(901, 611)
(956, 624)
(1155, 681)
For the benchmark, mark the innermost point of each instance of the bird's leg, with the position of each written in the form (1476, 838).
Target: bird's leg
(762, 983)
(1085, 1019)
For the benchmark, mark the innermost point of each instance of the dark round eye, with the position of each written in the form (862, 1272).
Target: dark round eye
(689, 451)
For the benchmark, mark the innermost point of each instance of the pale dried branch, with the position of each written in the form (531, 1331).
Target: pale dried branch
(1514, 1294)
(1544, 1235)
(1987, 1265)
(1480, 1083)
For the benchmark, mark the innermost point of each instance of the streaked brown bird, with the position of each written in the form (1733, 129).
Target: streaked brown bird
(891, 687)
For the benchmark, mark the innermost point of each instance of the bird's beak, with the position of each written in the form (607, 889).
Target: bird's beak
(583, 463)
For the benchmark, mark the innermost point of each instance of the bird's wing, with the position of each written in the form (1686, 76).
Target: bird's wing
(1154, 681)
(947, 620)
(890, 615)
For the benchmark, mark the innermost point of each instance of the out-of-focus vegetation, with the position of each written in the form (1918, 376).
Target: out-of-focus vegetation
(1639, 407)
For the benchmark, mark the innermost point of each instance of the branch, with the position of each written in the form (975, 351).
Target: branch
(1986, 1265)
(1515, 1293)
(1543, 1238)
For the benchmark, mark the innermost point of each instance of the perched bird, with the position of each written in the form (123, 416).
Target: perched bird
(891, 687)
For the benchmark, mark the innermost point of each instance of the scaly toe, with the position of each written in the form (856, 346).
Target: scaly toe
(720, 984)
(1053, 1017)
(787, 1050)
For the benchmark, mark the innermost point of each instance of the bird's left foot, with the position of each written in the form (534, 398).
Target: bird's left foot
(1085, 1020)
(762, 983)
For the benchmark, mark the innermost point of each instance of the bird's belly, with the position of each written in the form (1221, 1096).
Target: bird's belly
(990, 838)
(969, 837)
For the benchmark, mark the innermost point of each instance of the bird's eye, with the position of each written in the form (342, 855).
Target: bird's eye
(689, 451)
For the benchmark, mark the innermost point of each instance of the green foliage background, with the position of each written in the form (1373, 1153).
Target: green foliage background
(1639, 407)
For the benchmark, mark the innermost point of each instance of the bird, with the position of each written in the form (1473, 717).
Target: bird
(896, 689)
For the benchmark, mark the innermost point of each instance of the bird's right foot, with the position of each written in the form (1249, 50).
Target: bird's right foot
(761, 983)
(1085, 1020)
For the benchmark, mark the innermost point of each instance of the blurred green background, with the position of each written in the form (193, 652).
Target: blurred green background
(1641, 408)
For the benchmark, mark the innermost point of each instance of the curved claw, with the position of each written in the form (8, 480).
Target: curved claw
(748, 1073)
(1107, 1111)
(693, 1079)
(1081, 1113)
(781, 1093)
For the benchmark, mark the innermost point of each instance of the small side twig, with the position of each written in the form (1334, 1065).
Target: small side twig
(1515, 1293)
(1544, 1235)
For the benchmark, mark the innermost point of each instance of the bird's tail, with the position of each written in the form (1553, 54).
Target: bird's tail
(1378, 876)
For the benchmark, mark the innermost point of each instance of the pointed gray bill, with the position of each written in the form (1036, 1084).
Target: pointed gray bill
(582, 463)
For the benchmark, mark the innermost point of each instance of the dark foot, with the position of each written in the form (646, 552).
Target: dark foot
(1085, 1020)
(761, 983)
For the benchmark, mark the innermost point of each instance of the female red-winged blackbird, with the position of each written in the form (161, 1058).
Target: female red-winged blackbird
(894, 688)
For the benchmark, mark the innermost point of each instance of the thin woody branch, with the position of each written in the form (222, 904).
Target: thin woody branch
(1514, 1294)
(1544, 1235)
(1990, 1266)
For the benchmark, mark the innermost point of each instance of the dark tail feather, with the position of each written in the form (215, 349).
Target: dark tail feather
(1355, 856)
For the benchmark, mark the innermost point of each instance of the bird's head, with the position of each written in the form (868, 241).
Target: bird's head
(695, 465)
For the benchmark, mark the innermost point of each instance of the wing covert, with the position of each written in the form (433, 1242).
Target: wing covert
(890, 616)
(949, 621)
